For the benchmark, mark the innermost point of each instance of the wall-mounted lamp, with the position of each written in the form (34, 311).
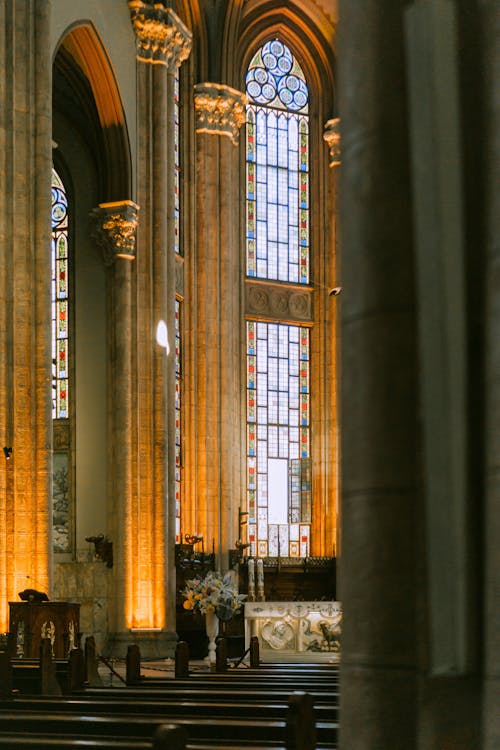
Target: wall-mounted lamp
(103, 548)
(7, 452)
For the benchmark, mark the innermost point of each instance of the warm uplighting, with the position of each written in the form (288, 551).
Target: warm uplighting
(145, 630)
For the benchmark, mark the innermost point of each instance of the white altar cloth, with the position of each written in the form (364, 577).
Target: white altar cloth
(292, 631)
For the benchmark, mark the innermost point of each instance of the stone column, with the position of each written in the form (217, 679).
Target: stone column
(25, 312)
(489, 137)
(326, 519)
(378, 577)
(214, 467)
(115, 226)
(163, 43)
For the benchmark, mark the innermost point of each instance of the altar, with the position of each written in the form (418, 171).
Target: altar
(295, 631)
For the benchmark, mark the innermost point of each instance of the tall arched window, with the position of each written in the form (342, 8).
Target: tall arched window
(60, 384)
(61, 413)
(278, 353)
(178, 248)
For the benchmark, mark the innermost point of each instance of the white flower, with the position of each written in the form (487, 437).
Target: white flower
(213, 593)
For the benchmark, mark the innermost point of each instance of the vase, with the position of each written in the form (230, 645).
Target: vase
(212, 630)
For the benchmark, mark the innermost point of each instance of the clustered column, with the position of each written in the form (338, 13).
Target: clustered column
(215, 291)
(163, 43)
(25, 332)
(115, 226)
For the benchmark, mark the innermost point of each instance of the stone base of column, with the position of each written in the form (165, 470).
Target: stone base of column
(152, 644)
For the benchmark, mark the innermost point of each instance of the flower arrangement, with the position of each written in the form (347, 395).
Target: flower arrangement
(214, 593)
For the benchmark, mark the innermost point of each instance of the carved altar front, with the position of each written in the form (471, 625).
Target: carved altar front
(29, 622)
(292, 630)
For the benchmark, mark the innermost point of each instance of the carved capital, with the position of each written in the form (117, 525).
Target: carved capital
(332, 137)
(161, 36)
(219, 109)
(114, 229)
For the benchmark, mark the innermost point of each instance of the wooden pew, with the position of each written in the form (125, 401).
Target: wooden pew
(235, 706)
(210, 729)
(195, 693)
(45, 676)
(166, 737)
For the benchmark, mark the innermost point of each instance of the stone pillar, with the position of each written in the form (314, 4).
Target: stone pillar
(25, 311)
(325, 530)
(163, 43)
(115, 226)
(489, 137)
(214, 485)
(379, 385)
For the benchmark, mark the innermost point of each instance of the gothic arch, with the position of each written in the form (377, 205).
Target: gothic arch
(311, 41)
(82, 66)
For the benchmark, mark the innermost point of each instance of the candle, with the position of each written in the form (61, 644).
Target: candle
(260, 580)
(251, 580)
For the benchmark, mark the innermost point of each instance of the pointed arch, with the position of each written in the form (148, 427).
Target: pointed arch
(82, 64)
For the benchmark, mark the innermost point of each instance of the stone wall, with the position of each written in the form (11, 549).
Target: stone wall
(86, 582)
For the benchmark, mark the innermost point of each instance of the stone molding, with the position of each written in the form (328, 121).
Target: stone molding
(161, 37)
(332, 137)
(220, 110)
(115, 226)
(279, 302)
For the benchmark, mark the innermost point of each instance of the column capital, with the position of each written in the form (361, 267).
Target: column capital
(161, 36)
(114, 229)
(331, 135)
(219, 109)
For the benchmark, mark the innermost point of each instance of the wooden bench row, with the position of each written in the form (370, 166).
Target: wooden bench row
(49, 676)
(295, 731)
(220, 712)
(165, 737)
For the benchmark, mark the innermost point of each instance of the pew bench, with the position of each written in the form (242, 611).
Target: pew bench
(172, 705)
(295, 729)
(27, 676)
(166, 737)
(209, 730)
(202, 693)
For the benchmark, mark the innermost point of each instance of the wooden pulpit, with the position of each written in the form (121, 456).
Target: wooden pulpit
(29, 622)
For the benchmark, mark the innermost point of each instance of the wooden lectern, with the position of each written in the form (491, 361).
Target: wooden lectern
(29, 622)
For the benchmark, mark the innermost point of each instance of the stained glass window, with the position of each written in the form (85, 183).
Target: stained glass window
(178, 455)
(278, 439)
(277, 167)
(177, 165)
(178, 358)
(60, 300)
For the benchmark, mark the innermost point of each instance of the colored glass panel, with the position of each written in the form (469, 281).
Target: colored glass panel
(178, 420)
(277, 148)
(60, 299)
(177, 165)
(277, 430)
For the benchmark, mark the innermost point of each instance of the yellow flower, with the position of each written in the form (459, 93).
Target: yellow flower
(210, 608)
(188, 604)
